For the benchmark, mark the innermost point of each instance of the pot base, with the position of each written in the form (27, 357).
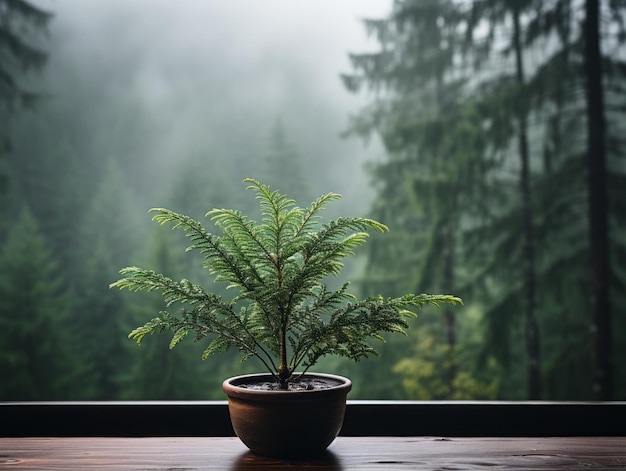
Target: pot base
(281, 423)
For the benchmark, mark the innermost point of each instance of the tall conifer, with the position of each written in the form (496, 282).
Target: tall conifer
(36, 334)
(418, 78)
(20, 24)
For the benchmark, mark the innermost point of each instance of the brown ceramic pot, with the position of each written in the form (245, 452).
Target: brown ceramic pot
(286, 423)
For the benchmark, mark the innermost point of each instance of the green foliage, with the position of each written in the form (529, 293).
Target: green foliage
(421, 378)
(36, 361)
(283, 314)
(433, 176)
(108, 236)
(484, 181)
(152, 372)
(282, 164)
(19, 21)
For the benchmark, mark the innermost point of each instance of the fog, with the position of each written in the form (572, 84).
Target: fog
(153, 83)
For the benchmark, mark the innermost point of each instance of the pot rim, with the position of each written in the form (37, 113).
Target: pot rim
(231, 388)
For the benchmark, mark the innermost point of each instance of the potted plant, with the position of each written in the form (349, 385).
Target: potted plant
(281, 314)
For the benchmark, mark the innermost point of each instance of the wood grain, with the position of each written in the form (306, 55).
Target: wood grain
(346, 453)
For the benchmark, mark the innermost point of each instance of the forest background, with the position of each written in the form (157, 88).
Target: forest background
(488, 135)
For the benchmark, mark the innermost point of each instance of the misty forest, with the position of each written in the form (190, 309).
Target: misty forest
(488, 135)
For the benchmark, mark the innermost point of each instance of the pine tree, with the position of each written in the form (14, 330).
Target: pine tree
(281, 165)
(20, 23)
(36, 361)
(154, 373)
(572, 84)
(109, 234)
(508, 86)
(48, 175)
(425, 182)
(599, 270)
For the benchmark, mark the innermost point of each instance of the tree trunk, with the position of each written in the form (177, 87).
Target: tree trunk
(528, 253)
(448, 316)
(599, 269)
(449, 320)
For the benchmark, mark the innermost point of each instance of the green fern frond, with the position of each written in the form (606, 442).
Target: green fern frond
(178, 336)
(153, 326)
(220, 261)
(139, 279)
(217, 345)
(311, 217)
(279, 212)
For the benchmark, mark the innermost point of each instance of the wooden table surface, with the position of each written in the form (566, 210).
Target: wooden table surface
(346, 453)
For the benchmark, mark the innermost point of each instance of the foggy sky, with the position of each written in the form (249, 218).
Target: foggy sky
(197, 74)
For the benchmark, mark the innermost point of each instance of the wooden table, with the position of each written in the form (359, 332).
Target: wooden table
(346, 453)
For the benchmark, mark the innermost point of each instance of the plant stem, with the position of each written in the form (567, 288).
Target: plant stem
(283, 369)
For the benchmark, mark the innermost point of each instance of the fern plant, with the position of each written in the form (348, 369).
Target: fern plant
(283, 314)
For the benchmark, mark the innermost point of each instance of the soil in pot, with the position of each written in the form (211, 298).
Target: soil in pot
(306, 383)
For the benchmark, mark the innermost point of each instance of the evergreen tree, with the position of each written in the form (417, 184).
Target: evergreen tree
(154, 372)
(546, 188)
(599, 272)
(199, 182)
(47, 175)
(572, 83)
(20, 23)
(36, 360)
(531, 330)
(281, 165)
(508, 86)
(425, 181)
(110, 235)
